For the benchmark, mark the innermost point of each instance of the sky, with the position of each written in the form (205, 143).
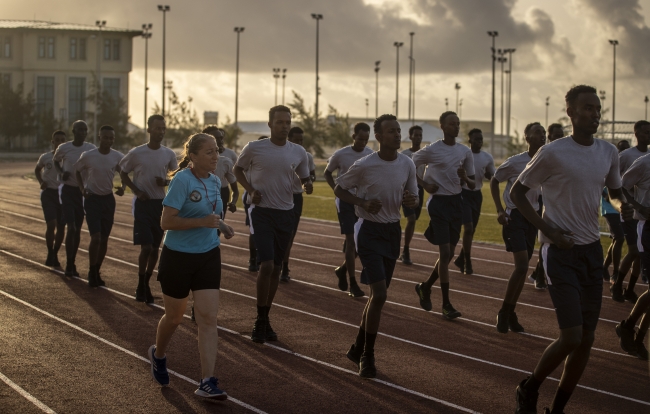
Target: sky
(559, 43)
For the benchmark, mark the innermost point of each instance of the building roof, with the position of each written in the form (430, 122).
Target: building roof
(42, 25)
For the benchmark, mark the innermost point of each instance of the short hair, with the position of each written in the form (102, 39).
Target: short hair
(386, 117)
(59, 132)
(474, 131)
(295, 130)
(79, 121)
(278, 108)
(154, 118)
(210, 128)
(619, 144)
(640, 124)
(361, 126)
(529, 127)
(106, 128)
(555, 125)
(263, 137)
(413, 128)
(445, 115)
(572, 96)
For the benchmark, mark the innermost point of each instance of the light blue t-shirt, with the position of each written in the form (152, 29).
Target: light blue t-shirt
(606, 207)
(187, 194)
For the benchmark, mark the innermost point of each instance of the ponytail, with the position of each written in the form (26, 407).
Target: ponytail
(191, 146)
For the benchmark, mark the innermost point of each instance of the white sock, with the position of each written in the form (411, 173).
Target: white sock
(206, 379)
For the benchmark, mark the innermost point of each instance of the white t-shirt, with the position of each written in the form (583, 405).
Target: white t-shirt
(483, 162)
(297, 183)
(374, 178)
(637, 179)
(147, 164)
(232, 155)
(48, 172)
(509, 171)
(343, 158)
(272, 170)
(67, 155)
(443, 162)
(99, 170)
(626, 158)
(421, 169)
(224, 171)
(572, 177)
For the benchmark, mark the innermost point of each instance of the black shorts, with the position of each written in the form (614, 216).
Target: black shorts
(519, 234)
(629, 228)
(100, 212)
(378, 247)
(297, 210)
(446, 213)
(146, 224)
(615, 225)
(73, 207)
(225, 198)
(347, 216)
(179, 272)
(271, 229)
(575, 282)
(645, 249)
(472, 202)
(411, 211)
(246, 207)
(52, 208)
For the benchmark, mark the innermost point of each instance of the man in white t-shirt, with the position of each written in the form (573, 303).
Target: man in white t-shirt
(224, 171)
(412, 215)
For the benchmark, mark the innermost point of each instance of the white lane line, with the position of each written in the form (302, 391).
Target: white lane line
(389, 384)
(29, 397)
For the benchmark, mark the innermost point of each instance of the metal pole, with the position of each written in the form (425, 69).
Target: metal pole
(276, 76)
(493, 35)
(502, 60)
(457, 87)
(646, 107)
(366, 108)
(510, 52)
(411, 76)
(397, 46)
(163, 9)
(377, 88)
(614, 43)
(413, 105)
(318, 18)
(238, 30)
(284, 75)
(100, 24)
(146, 34)
(546, 124)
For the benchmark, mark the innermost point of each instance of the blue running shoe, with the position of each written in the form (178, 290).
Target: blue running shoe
(209, 389)
(158, 368)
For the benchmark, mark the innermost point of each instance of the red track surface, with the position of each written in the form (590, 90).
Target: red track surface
(83, 350)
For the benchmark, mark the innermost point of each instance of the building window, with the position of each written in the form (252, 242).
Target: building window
(73, 48)
(50, 47)
(111, 49)
(107, 49)
(45, 94)
(46, 47)
(77, 98)
(116, 49)
(6, 48)
(41, 47)
(82, 49)
(6, 79)
(112, 87)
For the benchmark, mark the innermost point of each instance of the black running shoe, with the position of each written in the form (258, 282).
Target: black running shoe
(406, 257)
(92, 279)
(367, 367)
(139, 293)
(71, 270)
(627, 338)
(503, 322)
(259, 331)
(449, 313)
(50, 259)
(354, 355)
(284, 276)
(468, 267)
(630, 295)
(148, 296)
(644, 279)
(513, 323)
(252, 265)
(617, 293)
(540, 281)
(270, 333)
(56, 262)
(100, 281)
(526, 400)
(460, 263)
(342, 273)
(355, 291)
(641, 351)
(424, 295)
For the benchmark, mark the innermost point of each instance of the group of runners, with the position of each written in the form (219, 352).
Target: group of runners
(571, 176)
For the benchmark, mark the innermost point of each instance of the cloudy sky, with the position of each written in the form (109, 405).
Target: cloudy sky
(559, 43)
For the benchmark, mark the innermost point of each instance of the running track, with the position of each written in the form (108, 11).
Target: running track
(67, 348)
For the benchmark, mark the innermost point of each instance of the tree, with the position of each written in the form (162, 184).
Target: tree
(315, 127)
(516, 144)
(112, 111)
(180, 121)
(17, 114)
(233, 132)
(338, 129)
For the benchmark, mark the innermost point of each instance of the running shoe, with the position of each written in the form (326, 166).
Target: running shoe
(460, 263)
(355, 291)
(342, 273)
(641, 351)
(210, 389)
(533, 276)
(613, 278)
(526, 400)
(100, 281)
(139, 293)
(449, 313)
(354, 355)
(367, 367)
(424, 295)
(627, 338)
(540, 282)
(617, 293)
(284, 276)
(630, 295)
(468, 267)
(259, 331)
(503, 322)
(644, 279)
(158, 367)
(71, 270)
(92, 279)
(406, 257)
(513, 323)
(50, 259)
(56, 263)
(148, 296)
(270, 333)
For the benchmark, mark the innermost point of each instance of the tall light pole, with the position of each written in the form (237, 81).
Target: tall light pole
(318, 18)
(509, 52)
(446, 104)
(284, 76)
(646, 107)
(457, 87)
(411, 77)
(602, 104)
(501, 59)
(146, 34)
(493, 35)
(238, 30)
(366, 108)
(377, 88)
(163, 9)
(413, 96)
(460, 109)
(397, 46)
(276, 76)
(169, 85)
(614, 43)
(547, 103)
(98, 84)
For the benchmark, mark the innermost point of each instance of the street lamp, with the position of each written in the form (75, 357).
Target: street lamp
(646, 107)
(100, 25)
(163, 9)
(377, 88)
(169, 85)
(493, 35)
(509, 52)
(460, 109)
(397, 46)
(446, 104)
(501, 59)
(546, 124)
(457, 87)
(276, 76)
(318, 18)
(238, 30)
(614, 43)
(284, 75)
(146, 35)
(411, 74)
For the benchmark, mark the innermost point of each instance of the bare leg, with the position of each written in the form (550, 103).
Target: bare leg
(143, 258)
(517, 279)
(409, 230)
(206, 306)
(174, 310)
(93, 249)
(350, 253)
(267, 283)
(372, 311)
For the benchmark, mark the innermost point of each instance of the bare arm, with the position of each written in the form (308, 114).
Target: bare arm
(256, 196)
(329, 179)
(307, 185)
(312, 175)
(126, 181)
(80, 183)
(371, 206)
(618, 198)
(429, 188)
(502, 217)
(171, 221)
(39, 177)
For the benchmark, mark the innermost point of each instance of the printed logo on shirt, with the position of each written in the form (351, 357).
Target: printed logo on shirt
(48, 166)
(294, 166)
(195, 196)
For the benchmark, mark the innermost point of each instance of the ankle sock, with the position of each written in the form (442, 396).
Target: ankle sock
(560, 401)
(532, 384)
(360, 342)
(369, 347)
(444, 287)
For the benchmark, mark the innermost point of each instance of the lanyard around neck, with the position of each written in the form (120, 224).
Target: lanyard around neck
(214, 204)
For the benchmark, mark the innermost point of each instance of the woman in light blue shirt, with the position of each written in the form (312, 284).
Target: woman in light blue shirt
(191, 259)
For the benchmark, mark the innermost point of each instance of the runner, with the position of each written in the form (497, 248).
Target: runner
(150, 164)
(99, 166)
(518, 233)
(48, 179)
(412, 215)
(555, 131)
(296, 136)
(227, 152)
(342, 160)
(253, 266)
(571, 173)
(64, 158)
(473, 199)
(377, 198)
(191, 260)
(273, 163)
(224, 171)
(449, 165)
